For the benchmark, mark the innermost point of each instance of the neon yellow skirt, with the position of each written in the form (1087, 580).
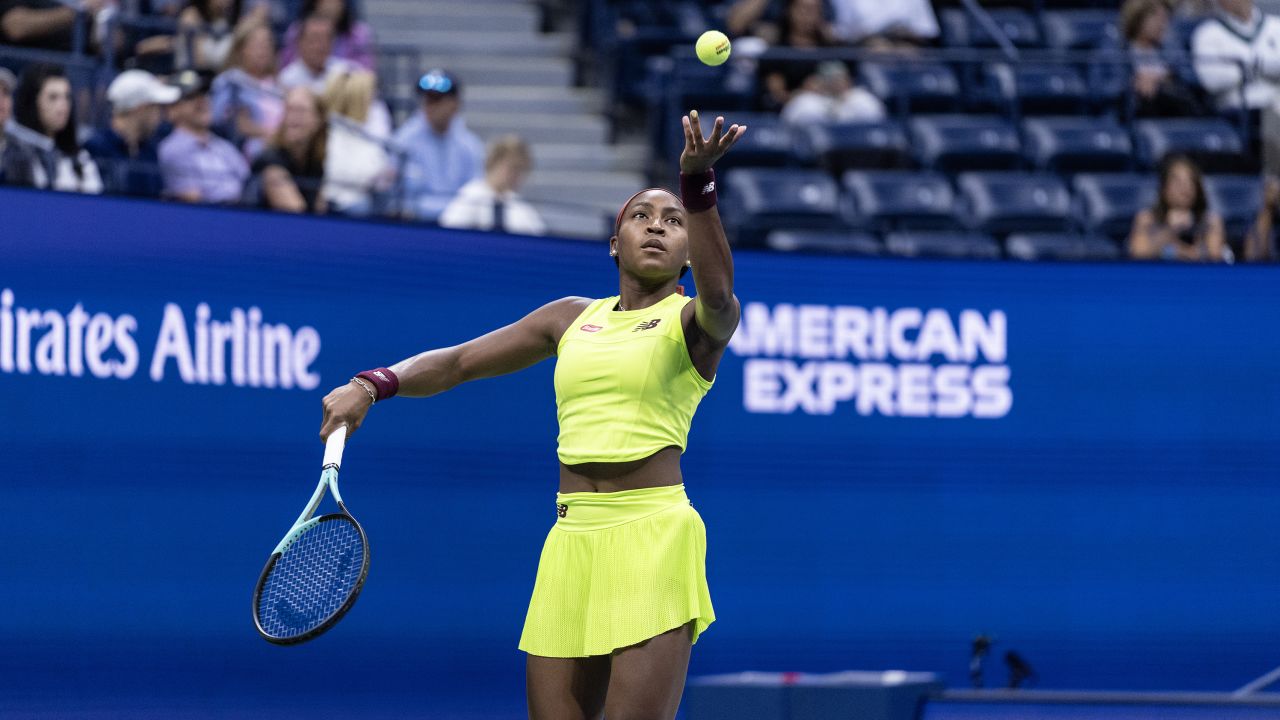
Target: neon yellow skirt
(617, 569)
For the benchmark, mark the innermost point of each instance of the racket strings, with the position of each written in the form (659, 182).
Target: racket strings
(312, 578)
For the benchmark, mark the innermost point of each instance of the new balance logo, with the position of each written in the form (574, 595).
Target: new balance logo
(380, 374)
(710, 188)
(651, 324)
(562, 510)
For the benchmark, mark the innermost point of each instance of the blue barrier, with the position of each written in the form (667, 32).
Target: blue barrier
(1076, 459)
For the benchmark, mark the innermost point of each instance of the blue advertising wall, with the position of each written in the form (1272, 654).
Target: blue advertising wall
(1078, 460)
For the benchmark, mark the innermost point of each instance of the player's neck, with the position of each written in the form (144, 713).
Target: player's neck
(634, 294)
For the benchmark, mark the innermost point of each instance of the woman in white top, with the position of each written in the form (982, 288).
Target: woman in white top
(491, 202)
(246, 96)
(45, 120)
(357, 164)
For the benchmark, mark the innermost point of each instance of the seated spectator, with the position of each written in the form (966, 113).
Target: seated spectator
(128, 148)
(803, 25)
(46, 24)
(17, 161)
(290, 172)
(197, 165)
(886, 24)
(45, 121)
(1237, 56)
(1158, 85)
(353, 41)
(1260, 242)
(315, 64)
(1180, 226)
(491, 202)
(829, 95)
(247, 100)
(356, 162)
(441, 154)
(205, 32)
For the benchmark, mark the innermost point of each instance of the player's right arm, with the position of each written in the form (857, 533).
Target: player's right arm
(525, 342)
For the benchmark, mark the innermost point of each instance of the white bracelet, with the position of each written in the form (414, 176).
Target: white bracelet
(373, 394)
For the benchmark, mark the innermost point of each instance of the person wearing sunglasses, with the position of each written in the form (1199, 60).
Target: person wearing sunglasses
(439, 153)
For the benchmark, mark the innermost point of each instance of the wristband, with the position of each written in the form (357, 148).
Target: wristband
(698, 190)
(383, 380)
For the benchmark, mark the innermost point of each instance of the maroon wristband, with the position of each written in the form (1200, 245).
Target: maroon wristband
(698, 191)
(383, 380)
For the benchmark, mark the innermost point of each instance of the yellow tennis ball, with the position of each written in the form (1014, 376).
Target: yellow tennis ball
(713, 47)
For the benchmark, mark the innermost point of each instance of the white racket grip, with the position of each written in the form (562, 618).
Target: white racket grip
(333, 447)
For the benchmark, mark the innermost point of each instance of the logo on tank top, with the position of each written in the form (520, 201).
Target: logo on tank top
(591, 328)
(649, 325)
(562, 510)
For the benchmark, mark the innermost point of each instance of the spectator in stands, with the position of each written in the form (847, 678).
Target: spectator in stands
(205, 32)
(17, 161)
(1237, 56)
(1260, 242)
(46, 24)
(315, 64)
(127, 149)
(829, 95)
(353, 41)
(197, 165)
(246, 97)
(886, 24)
(491, 202)
(1180, 226)
(357, 162)
(441, 154)
(803, 25)
(290, 172)
(45, 121)
(1159, 85)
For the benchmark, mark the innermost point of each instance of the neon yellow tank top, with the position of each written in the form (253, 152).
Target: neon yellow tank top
(625, 386)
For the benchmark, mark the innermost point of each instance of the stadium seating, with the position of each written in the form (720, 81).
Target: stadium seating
(952, 143)
(825, 241)
(1213, 143)
(943, 245)
(1051, 246)
(913, 86)
(903, 200)
(842, 146)
(1108, 202)
(1080, 29)
(1237, 199)
(758, 200)
(1004, 203)
(1037, 88)
(770, 143)
(960, 30)
(1076, 144)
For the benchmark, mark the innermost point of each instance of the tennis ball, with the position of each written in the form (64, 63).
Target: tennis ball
(713, 47)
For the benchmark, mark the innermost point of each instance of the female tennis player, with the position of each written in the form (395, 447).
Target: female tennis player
(621, 592)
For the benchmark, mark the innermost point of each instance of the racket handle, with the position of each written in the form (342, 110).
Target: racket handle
(333, 446)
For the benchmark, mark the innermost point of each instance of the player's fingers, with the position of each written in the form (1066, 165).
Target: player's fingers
(699, 140)
(735, 135)
(688, 132)
(717, 132)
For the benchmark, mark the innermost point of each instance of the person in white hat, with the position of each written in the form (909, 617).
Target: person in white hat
(127, 149)
(17, 161)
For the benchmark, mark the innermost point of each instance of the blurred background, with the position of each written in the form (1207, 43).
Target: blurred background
(998, 427)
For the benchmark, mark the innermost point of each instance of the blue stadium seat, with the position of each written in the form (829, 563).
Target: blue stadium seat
(1076, 144)
(1080, 29)
(944, 245)
(903, 200)
(1213, 143)
(1237, 199)
(1004, 203)
(826, 241)
(960, 30)
(841, 146)
(758, 200)
(1038, 88)
(952, 143)
(770, 142)
(907, 86)
(1060, 246)
(1108, 202)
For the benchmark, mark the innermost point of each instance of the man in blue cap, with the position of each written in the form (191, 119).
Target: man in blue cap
(440, 153)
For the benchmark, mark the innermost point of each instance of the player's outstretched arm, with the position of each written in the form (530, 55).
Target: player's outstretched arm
(715, 308)
(525, 342)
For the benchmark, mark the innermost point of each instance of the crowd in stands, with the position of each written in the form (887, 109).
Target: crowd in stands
(237, 103)
(275, 104)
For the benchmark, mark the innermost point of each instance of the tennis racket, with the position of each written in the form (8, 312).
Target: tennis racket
(315, 574)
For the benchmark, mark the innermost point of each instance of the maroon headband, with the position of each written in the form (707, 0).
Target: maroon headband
(617, 224)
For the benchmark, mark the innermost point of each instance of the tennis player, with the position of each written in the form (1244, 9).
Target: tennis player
(621, 592)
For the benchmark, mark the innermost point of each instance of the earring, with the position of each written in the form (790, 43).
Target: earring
(613, 253)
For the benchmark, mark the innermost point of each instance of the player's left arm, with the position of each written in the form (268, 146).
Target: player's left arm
(716, 308)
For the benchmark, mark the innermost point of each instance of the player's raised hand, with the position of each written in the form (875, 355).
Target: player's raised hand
(701, 153)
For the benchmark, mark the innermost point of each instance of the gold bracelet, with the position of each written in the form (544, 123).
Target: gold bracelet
(373, 394)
